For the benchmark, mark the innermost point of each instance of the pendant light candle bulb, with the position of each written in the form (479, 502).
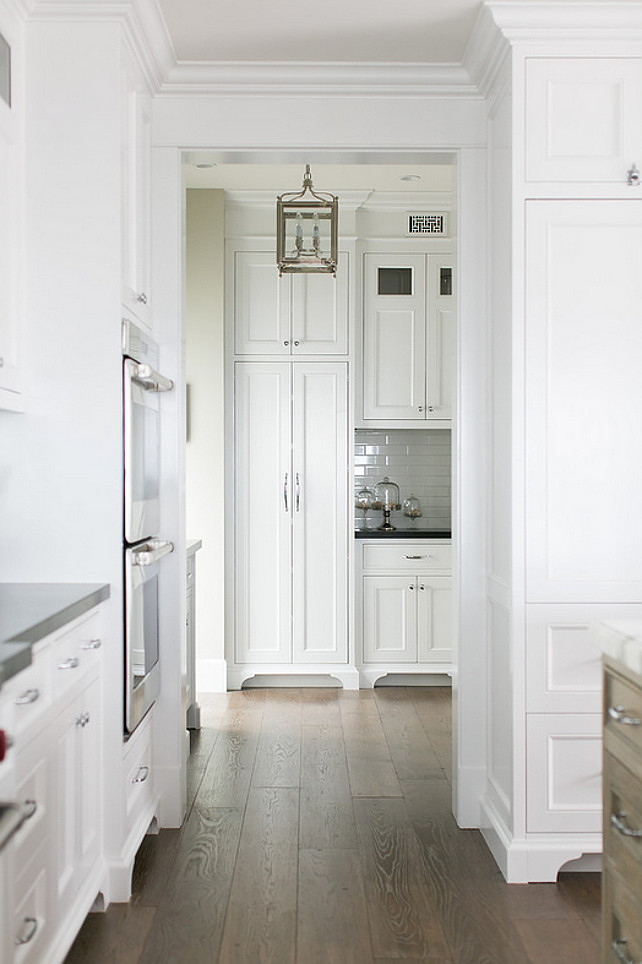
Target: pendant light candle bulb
(299, 226)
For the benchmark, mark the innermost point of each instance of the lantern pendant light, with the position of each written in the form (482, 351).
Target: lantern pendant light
(307, 230)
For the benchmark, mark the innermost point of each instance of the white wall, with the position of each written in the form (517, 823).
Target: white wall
(206, 509)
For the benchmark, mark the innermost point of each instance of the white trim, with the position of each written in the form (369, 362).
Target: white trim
(309, 79)
(211, 676)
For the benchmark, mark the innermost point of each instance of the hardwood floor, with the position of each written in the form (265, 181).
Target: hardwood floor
(319, 831)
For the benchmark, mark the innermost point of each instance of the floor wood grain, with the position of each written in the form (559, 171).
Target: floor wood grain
(319, 831)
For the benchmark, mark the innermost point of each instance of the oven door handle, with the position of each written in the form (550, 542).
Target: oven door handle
(152, 381)
(151, 553)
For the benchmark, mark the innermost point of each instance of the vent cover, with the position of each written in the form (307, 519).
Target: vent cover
(434, 224)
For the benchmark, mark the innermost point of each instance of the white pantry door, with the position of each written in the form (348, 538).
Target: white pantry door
(263, 492)
(319, 507)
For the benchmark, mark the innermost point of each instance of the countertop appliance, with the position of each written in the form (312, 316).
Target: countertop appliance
(143, 547)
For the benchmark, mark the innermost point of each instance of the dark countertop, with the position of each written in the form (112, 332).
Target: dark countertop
(403, 534)
(31, 611)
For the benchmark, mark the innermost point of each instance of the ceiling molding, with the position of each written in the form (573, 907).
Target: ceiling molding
(485, 52)
(348, 200)
(563, 20)
(410, 203)
(319, 79)
(144, 27)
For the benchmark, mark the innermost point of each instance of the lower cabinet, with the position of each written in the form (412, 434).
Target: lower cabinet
(406, 608)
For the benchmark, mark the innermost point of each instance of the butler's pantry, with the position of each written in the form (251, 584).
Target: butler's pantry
(335, 421)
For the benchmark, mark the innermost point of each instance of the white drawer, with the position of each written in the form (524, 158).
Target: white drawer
(76, 651)
(139, 783)
(416, 556)
(28, 695)
(32, 786)
(30, 923)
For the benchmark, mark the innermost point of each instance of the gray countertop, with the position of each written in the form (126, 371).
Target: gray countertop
(31, 611)
(403, 534)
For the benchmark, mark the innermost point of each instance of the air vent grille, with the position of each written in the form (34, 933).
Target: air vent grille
(434, 224)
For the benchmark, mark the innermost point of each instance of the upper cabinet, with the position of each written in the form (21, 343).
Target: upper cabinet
(408, 338)
(11, 210)
(583, 119)
(136, 204)
(294, 315)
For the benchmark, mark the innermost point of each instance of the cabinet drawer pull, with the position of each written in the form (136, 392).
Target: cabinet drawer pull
(71, 663)
(418, 557)
(92, 644)
(622, 716)
(141, 776)
(618, 946)
(29, 696)
(619, 821)
(29, 928)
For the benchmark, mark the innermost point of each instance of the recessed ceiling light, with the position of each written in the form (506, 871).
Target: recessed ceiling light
(410, 177)
(204, 166)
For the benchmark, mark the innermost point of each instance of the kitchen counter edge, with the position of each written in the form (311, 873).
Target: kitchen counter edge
(403, 534)
(31, 611)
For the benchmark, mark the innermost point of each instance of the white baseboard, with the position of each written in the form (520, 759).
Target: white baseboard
(211, 676)
(469, 786)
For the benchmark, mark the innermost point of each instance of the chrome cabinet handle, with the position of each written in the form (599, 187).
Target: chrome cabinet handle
(142, 298)
(619, 821)
(411, 588)
(83, 720)
(285, 491)
(29, 696)
(150, 380)
(431, 408)
(15, 814)
(29, 928)
(617, 947)
(298, 491)
(286, 343)
(151, 552)
(633, 176)
(92, 644)
(417, 557)
(142, 775)
(422, 588)
(296, 344)
(420, 408)
(623, 717)
(71, 663)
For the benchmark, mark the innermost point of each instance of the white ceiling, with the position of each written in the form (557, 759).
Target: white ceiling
(349, 31)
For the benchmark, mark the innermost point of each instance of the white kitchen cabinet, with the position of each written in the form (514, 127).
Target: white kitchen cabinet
(293, 315)
(583, 401)
(582, 119)
(291, 517)
(11, 218)
(406, 608)
(408, 338)
(136, 195)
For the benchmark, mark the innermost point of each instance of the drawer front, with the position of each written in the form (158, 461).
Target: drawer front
(76, 652)
(622, 920)
(622, 712)
(407, 557)
(30, 923)
(28, 695)
(32, 787)
(623, 820)
(564, 773)
(139, 784)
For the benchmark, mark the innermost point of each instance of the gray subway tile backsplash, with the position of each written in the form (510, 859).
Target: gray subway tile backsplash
(418, 460)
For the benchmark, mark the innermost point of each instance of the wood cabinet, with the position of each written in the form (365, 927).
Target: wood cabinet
(582, 119)
(293, 315)
(136, 195)
(409, 338)
(622, 881)
(290, 570)
(406, 618)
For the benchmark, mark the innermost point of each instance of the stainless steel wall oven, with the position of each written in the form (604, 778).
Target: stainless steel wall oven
(143, 547)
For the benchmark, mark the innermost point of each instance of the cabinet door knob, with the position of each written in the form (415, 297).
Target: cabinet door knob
(141, 776)
(633, 176)
(619, 821)
(286, 343)
(296, 344)
(29, 696)
(422, 588)
(431, 408)
(28, 931)
(623, 717)
(71, 663)
(412, 588)
(92, 644)
(420, 408)
(142, 298)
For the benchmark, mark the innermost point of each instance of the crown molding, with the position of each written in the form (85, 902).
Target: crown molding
(318, 79)
(485, 52)
(143, 25)
(532, 20)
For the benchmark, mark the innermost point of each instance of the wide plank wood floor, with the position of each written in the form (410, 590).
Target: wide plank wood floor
(319, 831)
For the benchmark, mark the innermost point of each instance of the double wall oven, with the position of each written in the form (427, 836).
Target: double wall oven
(143, 546)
